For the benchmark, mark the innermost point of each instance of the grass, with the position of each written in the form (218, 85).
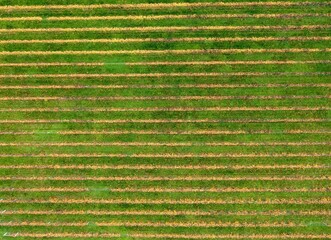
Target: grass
(220, 173)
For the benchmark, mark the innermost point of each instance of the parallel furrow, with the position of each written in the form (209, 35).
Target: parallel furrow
(144, 98)
(166, 29)
(137, 40)
(157, 86)
(156, 224)
(166, 190)
(148, 179)
(167, 144)
(298, 201)
(156, 63)
(168, 213)
(160, 5)
(168, 16)
(169, 235)
(167, 155)
(165, 52)
(167, 167)
(151, 121)
(162, 86)
(143, 132)
(166, 109)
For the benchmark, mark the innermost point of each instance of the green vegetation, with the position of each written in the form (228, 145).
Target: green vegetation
(144, 122)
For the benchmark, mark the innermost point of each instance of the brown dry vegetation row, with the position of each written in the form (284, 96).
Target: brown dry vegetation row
(257, 62)
(146, 178)
(169, 167)
(158, 144)
(147, 86)
(136, 98)
(167, 16)
(168, 235)
(115, 121)
(200, 224)
(167, 190)
(167, 213)
(161, 5)
(168, 155)
(209, 74)
(143, 132)
(168, 51)
(137, 40)
(166, 109)
(317, 201)
(166, 29)
(46, 64)
(229, 62)
(178, 74)
(220, 190)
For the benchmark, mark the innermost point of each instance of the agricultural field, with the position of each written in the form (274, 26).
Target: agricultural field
(168, 119)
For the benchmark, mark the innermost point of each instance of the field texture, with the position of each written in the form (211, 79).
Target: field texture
(165, 120)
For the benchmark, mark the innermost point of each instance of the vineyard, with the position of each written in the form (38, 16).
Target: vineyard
(172, 119)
